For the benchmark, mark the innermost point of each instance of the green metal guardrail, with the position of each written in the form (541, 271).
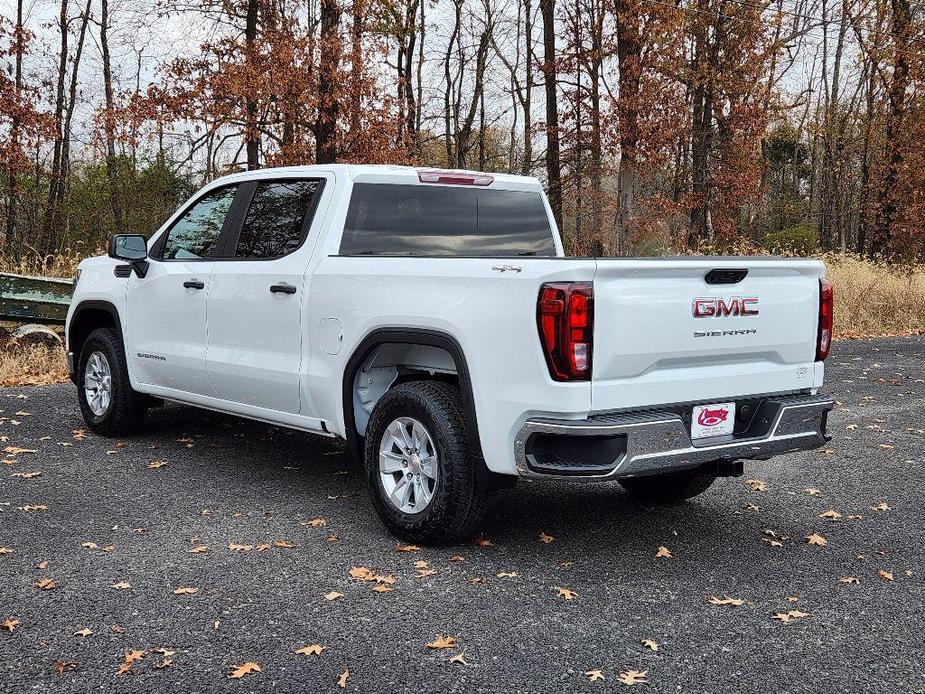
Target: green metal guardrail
(25, 299)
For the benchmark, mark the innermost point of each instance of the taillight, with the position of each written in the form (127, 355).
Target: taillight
(565, 318)
(826, 309)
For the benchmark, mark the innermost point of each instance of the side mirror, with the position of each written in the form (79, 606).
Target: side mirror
(130, 247)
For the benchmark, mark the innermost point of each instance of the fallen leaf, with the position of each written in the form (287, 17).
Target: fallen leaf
(239, 671)
(424, 573)
(342, 680)
(263, 546)
(85, 632)
(476, 580)
(849, 579)
(313, 649)
(33, 508)
(566, 593)
(882, 506)
(164, 663)
(121, 585)
(362, 573)
(812, 491)
(333, 595)
(157, 464)
(594, 675)
(726, 600)
(407, 548)
(381, 588)
(787, 617)
(240, 548)
(89, 545)
(757, 485)
(816, 539)
(61, 666)
(284, 544)
(831, 515)
(443, 642)
(457, 557)
(5, 550)
(650, 644)
(42, 565)
(507, 574)
(663, 553)
(166, 652)
(45, 584)
(885, 575)
(133, 656)
(315, 522)
(483, 542)
(546, 539)
(10, 624)
(459, 658)
(186, 591)
(198, 549)
(633, 677)
(331, 538)
(26, 475)
(12, 450)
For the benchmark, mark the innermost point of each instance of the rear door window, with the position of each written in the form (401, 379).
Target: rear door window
(277, 218)
(393, 219)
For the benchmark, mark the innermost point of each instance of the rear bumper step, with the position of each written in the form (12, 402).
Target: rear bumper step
(648, 443)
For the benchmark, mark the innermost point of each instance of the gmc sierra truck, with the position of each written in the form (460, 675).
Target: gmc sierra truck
(430, 319)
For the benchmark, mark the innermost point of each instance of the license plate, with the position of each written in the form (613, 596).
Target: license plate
(713, 420)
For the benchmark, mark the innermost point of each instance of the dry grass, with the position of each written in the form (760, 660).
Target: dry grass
(875, 299)
(61, 264)
(32, 365)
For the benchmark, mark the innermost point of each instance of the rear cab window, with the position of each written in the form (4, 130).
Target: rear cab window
(444, 220)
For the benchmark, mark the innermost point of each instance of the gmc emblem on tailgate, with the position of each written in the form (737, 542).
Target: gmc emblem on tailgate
(722, 308)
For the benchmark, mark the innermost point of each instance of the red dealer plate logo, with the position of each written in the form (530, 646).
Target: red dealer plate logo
(713, 420)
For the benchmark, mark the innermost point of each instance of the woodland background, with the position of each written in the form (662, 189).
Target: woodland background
(657, 126)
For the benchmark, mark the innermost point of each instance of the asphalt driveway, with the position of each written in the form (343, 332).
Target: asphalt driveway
(278, 519)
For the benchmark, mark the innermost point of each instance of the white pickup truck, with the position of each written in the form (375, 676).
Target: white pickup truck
(429, 318)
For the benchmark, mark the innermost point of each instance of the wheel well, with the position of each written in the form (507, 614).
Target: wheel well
(88, 317)
(392, 356)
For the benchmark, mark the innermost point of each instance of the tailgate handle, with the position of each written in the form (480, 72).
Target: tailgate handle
(725, 276)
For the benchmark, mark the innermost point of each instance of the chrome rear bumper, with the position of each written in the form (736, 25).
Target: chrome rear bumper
(654, 442)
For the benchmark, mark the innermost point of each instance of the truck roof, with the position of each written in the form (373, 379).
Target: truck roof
(382, 173)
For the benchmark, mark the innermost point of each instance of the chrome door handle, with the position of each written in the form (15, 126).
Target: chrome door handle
(507, 268)
(194, 284)
(282, 288)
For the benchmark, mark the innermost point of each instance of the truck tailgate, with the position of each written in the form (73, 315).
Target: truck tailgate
(664, 334)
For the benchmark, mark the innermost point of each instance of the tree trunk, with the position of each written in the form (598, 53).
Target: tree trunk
(901, 28)
(465, 131)
(110, 121)
(702, 126)
(13, 161)
(45, 241)
(629, 53)
(326, 124)
(553, 164)
(527, 165)
(251, 131)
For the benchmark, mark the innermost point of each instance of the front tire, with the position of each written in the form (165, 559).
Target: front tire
(109, 405)
(421, 466)
(669, 488)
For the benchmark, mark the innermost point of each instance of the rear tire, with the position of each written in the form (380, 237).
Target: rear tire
(431, 495)
(109, 405)
(669, 488)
